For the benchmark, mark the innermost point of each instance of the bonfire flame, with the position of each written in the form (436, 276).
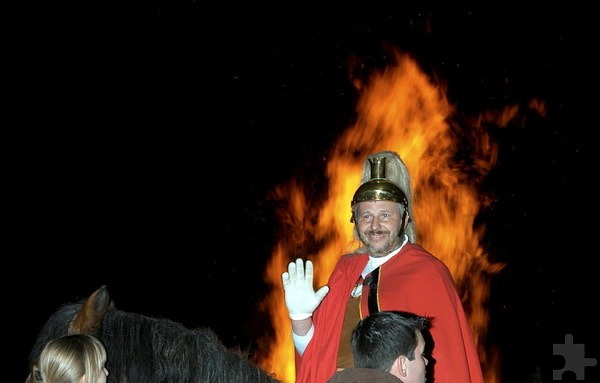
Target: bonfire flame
(399, 110)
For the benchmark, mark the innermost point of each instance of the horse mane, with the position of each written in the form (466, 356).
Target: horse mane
(146, 349)
(56, 326)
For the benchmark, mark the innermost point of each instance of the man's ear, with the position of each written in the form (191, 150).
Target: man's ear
(401, 365)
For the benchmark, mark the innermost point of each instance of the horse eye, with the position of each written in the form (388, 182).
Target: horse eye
(38, 375)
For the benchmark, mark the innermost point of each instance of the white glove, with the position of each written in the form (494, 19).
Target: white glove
(300, 296)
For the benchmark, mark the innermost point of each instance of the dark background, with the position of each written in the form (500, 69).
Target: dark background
(144, 140)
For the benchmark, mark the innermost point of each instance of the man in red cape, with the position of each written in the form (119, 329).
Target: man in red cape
(390, 272)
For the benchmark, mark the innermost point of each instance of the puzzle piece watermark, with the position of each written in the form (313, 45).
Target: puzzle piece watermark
(575, 360)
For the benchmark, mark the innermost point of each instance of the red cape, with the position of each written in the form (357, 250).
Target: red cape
(413, 280)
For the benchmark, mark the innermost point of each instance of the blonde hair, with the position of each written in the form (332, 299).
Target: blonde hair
(73, 358)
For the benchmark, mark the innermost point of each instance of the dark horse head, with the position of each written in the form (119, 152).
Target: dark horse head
(141, 349)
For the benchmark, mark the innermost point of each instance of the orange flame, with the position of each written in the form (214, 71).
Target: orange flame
(400, 110)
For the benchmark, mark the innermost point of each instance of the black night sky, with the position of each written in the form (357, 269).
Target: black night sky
(146, 140)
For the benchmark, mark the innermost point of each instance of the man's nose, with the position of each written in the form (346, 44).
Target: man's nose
(375, 223)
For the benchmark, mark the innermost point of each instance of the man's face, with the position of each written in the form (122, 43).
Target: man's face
(378, 224)
(416, 369)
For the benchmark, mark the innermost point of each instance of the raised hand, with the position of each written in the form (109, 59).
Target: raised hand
(300, 296)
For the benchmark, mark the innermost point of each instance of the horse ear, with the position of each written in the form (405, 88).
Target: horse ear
(92, 310)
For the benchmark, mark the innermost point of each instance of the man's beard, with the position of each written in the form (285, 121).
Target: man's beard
(390, 245)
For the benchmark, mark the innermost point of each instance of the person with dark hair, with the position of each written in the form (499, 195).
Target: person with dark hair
(392, 342)
(388, 272)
